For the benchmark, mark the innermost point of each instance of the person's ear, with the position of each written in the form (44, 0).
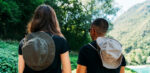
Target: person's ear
(94, 31)
(91, 30)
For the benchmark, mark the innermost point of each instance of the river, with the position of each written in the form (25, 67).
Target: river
(140, 69)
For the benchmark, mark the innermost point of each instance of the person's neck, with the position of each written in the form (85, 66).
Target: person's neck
(97, 37)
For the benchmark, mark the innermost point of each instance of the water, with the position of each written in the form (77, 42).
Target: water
(142, 69)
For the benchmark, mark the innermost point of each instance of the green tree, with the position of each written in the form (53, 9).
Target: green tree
(9, 18)
(74, 17)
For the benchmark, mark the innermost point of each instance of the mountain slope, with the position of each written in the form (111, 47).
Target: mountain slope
(132, 29)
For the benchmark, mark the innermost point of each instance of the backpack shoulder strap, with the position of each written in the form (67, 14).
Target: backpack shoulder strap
(97, 49)
(93, 46)
(52, 36)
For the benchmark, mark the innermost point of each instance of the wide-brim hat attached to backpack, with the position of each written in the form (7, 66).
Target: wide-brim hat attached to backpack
(110, 52)
(38, 50)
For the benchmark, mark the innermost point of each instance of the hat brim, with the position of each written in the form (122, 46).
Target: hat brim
(111, 65)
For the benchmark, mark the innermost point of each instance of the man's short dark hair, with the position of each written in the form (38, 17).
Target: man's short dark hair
(102, 24)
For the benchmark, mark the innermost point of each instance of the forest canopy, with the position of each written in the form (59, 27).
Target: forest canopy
(73, 15)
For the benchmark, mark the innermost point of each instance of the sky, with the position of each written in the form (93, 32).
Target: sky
(126, 4)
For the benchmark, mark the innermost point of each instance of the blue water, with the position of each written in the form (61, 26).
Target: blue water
(142, 70)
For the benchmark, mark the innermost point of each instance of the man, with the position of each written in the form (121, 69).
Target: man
(89, 60)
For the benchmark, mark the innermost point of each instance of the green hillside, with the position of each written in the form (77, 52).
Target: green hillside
(132, 29)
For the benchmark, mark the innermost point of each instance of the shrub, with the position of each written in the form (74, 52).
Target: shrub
(8, 57)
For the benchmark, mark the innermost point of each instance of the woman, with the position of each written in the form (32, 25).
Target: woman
(44, 19)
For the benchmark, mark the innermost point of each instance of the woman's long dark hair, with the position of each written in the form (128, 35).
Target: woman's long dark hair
(44, 19)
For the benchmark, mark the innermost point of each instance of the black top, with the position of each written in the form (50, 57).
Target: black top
(90, 58)
(61, 47)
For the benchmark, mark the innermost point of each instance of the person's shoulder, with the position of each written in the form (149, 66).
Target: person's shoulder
(84, 47)
(58, 37)
(59, 40)
(20, 46)
(22, 41)
(87, 46)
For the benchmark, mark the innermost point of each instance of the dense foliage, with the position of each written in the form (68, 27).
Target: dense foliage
(9, 58)
(132, 29)
(74, 17)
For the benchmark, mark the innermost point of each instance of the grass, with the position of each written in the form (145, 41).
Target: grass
(73, 58)
(9, 58)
